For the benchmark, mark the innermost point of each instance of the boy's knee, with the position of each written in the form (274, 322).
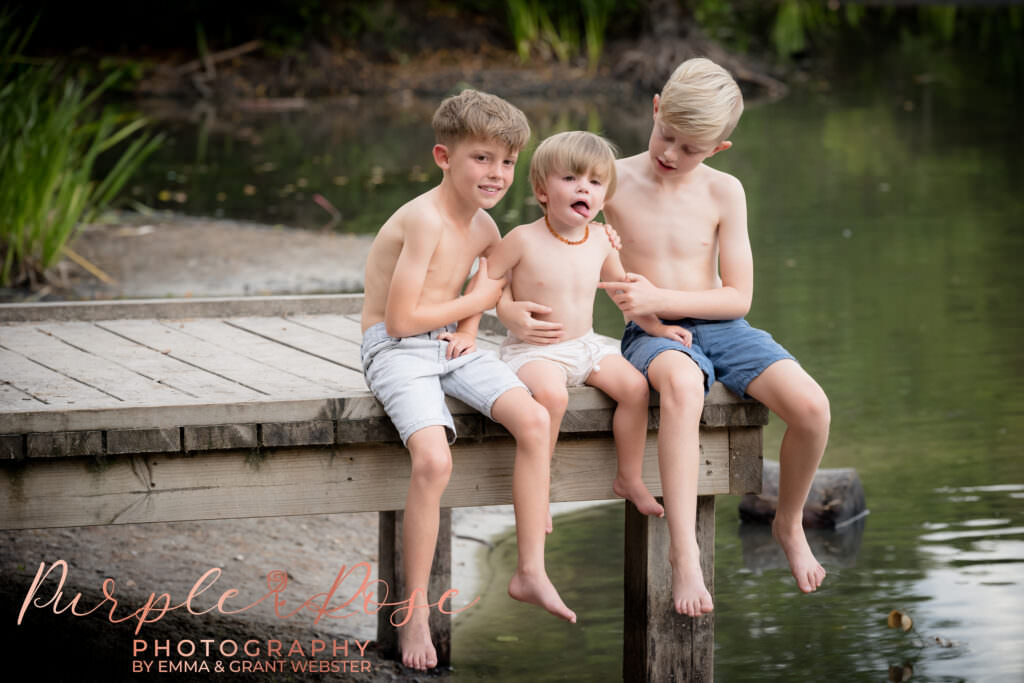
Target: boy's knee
(812, 411)
(683, 388)
(532, 424)
(432, 468)
(637, 388)
(555, 398)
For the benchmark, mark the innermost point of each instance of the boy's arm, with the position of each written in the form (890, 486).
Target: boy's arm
(636, 295)
(612, 269)
(404, 315)
(517, 316)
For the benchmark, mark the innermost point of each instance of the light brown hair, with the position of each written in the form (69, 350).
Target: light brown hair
(478, 115)
(575, 152)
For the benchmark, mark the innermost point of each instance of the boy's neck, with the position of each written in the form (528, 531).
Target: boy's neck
(570, 232)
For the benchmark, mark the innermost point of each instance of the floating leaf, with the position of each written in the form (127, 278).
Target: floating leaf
(898, 619)
(507, 639)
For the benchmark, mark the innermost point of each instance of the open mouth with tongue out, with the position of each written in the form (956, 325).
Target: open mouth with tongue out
(582, 208)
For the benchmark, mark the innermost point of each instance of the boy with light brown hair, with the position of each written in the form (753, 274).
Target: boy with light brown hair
(557, 261)
(687, 252)
(419, 334)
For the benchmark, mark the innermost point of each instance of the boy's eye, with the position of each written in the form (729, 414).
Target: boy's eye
(569, 178)
(595, 181)
(510, 162)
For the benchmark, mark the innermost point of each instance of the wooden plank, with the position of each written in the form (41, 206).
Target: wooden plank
(258, 378)
(391, 571)
(313, 342)
(291, 481)
(12, 446)
(306, 433)
(132, 441)
(219, 437)
(64, 444)
(56, 390)
(262, 350)
(95, 371)
(745, 460)
(197, 384)
(199, 413)
(13, 398)
(659, 644)
(341, 326)
(209, 307)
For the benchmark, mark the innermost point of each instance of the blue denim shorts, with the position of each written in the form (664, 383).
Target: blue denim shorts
(730, 351)
(410, 377)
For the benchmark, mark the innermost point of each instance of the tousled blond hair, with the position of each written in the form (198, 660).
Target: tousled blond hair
(701, 100)
(475, 115)
(575, 152)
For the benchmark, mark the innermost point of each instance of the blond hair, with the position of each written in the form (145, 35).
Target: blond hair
(481, 116)
(701, 100)
(574, 152)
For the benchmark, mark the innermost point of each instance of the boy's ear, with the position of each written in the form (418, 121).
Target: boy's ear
(720, 147)
(442, 156)
(657, 100)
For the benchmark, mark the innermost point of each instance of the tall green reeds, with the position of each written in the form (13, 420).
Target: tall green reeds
(553, 28)
(50, 140)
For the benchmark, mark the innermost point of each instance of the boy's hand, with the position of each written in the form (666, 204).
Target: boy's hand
(613, 236)
(634, 297)
(679, 334)
(517, 316)
(459, 344)
(484, 287)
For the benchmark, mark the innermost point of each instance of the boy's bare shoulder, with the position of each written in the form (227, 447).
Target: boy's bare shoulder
(722, 185)
(420, 213)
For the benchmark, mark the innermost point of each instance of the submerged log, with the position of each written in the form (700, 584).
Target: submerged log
(836, 498)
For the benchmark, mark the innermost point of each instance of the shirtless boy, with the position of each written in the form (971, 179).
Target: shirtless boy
(557, 261)
(685, 247)
(419, 333)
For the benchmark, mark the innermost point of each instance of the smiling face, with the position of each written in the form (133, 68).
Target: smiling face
(573, 199)
(480, 171)
(674, 154)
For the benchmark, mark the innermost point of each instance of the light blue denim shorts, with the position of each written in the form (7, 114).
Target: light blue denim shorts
(730, 351)
(410, 377)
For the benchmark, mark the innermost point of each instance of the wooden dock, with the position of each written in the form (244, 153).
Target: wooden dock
(192, 409)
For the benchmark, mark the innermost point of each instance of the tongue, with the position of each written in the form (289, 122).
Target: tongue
(580, 208)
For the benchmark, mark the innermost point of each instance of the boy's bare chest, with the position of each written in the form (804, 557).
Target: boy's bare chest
(567, 268)
(668, 228)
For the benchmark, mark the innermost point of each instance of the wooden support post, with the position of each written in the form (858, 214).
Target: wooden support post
(661, 645)
(392, 572)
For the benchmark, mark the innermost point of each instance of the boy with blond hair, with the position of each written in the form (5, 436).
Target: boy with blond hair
(556, 262)
(419, 333)
(685, 244)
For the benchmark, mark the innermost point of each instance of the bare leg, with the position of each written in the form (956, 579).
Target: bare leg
(793, 395)
(547, 384)
(529, 423)
(681, 385)
(431, 469)
(628, 388)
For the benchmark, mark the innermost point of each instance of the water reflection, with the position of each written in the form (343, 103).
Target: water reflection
(832, 547)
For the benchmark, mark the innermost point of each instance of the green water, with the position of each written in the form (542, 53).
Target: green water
(887, 223)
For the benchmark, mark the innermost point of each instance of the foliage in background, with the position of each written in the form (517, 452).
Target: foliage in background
(543, 28)
(49, 143)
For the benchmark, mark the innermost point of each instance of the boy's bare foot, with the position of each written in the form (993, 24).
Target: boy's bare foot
(637, 493)
(414, 641)
(689, 594)
(537, 589)
(806, 569)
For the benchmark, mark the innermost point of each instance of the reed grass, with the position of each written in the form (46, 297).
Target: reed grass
(51, 137)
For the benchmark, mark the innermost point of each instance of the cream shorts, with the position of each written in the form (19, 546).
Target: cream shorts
(576, 358)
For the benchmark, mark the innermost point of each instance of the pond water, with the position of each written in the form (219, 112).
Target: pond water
(886, 220)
